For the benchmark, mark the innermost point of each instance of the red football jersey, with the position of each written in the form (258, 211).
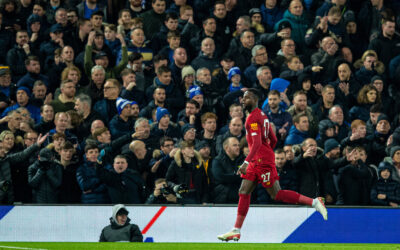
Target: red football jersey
(260, 138)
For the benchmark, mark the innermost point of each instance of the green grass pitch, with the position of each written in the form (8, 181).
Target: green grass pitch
(188, 246)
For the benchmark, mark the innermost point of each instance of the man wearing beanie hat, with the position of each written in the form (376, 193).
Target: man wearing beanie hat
(23, 95)
(164, 126)
(189, 133)
(379, 139)
(123, 122)
(331, 147)
(196, 94)
(234, 75)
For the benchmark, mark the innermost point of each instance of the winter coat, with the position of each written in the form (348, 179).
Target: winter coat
(354, 184)
(88, 180)
(7, 196)
(295, 136)
(106, 108)
(127, 187)
(16, 60)
(193, 175)
(299, 25)
(270, 17)
(174, 97)
(45, 179)
(172, 131)
(227, 182)
(70, 193)
(119, 127)
(389, 187)
(203, 61)
(152, 22)
(116, 232)
(311, 175)
(386, 48)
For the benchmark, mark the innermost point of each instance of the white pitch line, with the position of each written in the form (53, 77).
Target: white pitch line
(11, 247)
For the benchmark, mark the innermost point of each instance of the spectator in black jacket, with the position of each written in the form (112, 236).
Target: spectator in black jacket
(386, 191)
(355, 180)
(17, 55)
(70, 192)
(224, 169)
(123, 184)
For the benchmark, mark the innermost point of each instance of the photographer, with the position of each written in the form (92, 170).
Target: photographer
(44, 176)
(163, 193)
(187, 168)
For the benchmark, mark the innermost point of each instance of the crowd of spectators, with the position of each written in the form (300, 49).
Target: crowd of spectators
(138, 101)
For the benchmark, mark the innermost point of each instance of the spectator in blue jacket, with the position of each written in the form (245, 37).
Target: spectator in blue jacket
(299, 131)
(94, 191)
(123, 122)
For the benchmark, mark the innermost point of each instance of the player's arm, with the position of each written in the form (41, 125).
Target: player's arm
(272, 137)
(255, 133)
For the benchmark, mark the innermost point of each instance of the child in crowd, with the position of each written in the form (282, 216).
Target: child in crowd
(234, 75)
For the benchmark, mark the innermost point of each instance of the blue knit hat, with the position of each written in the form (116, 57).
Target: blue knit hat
(233, 71)
(121, 103)
(279, 84)
(27, 91)
(194, 90)
(330, 144)
(160, 113)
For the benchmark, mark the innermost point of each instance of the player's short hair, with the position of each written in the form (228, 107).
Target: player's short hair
(279, 151)
(254, 92)
(299, 92)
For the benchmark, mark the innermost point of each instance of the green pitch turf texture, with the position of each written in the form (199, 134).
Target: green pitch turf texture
(187, 246)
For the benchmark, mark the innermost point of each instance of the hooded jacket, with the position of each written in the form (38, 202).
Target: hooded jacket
(116, 232)
(389, 187)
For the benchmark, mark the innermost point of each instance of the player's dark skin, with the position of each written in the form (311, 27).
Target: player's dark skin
(250, 102)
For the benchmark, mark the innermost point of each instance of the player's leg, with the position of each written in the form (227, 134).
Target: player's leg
(245, 190)
(292, 197)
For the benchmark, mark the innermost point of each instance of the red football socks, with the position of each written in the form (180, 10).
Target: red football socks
(243, 207)
(291, 197)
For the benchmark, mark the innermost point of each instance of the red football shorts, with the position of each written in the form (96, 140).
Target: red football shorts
(264, 174)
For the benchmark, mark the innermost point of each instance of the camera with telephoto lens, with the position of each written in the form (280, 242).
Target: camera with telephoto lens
(166, 190)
